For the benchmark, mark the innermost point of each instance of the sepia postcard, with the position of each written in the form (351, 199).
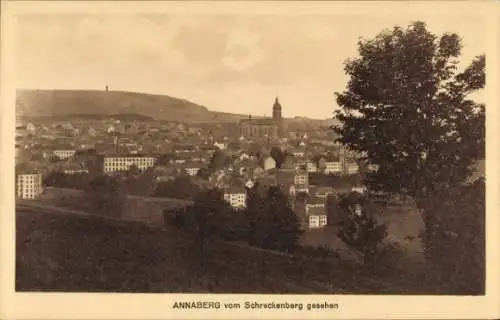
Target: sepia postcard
(248, 159)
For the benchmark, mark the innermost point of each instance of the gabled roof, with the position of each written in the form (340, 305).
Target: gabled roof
(315, 211)
(234, 190)
(316, 200)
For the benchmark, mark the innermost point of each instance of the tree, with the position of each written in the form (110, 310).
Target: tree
(181, 187)
(332, 210)
(272, 223)
(204, 173)
(208, 219)
(408, 109)
(107, 195)
(456, 243)
(142, 183)
(278, 156)
(219, 160)
(358, 227)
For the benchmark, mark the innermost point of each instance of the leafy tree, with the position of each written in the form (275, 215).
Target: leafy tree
(233, 146)
(59, 179)
(107, 195)
(208, 219)
(358, 227)
(219, 160)
(204, 173)
(332, 210)
(141, 183)
(181, 187)
(164, 159)
(408, 109)
(272, 223)
(278, 156)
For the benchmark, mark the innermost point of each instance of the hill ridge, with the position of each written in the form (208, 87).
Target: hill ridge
(60, 103)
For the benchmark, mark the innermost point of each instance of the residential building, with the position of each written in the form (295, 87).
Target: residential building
(244, 156)
(269, 163)
(311, 166)
(184, 148)
(315, 203)
(316, 212)
(300, 164)
(220, 145)
(249, 184)
(75, 171)
(323, 191)
(333, 166)
(124, 162)
(192, 168)
(298, 152)
(29, 185)
(236, 197)
(30, 127)
(64, 154)
(301, 177)
(302, 188)
(360, 190)
(178, 161)
(351, 167)
(317, 221)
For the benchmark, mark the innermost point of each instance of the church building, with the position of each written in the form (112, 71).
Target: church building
(264, 128)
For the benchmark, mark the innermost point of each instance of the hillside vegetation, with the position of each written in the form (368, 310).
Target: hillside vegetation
(94, 104)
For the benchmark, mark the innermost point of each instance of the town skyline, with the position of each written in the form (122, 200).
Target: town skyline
(245, 61)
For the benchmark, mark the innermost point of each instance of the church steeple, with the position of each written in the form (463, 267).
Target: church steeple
(277, 116)
(276, 104)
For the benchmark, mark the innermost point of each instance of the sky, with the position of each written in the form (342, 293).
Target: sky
(230, 63)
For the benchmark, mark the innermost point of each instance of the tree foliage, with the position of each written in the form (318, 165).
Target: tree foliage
(59, 179)
(141, 183)
(107, 195)
(358, 226)
(272, 223)
(455, 241)
(407, 107)
(219, 160)
(181, 187)
(209, 218)
(278, 156)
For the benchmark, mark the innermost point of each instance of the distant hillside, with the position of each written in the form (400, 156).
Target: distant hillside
(121, 117)
(94, 104)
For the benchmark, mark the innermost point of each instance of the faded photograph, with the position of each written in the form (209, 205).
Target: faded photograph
(263, 154)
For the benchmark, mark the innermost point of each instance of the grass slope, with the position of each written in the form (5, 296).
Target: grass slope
(66, 253)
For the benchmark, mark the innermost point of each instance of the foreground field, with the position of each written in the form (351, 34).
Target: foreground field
(67, 253)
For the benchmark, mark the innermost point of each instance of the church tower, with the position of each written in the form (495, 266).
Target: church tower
(278, 120)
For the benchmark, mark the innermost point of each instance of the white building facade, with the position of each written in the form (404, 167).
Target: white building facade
(333, 167)
(237, 200)
(64, 154)
(123, 163)
(29, 186)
